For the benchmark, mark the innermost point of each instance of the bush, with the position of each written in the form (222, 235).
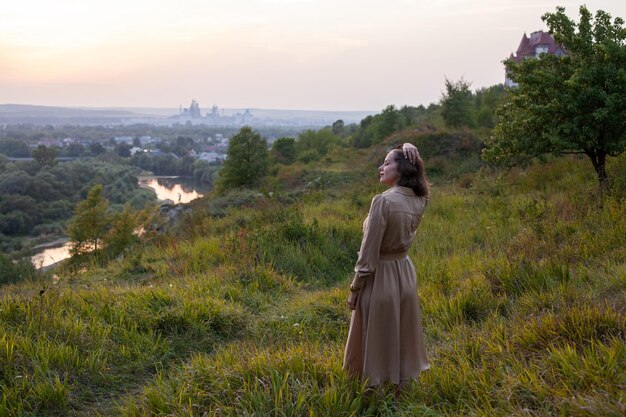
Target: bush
(15, 271)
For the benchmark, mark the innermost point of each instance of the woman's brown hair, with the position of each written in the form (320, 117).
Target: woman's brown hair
(411, 175)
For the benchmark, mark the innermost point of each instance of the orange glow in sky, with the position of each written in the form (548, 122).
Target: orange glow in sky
(287, 54)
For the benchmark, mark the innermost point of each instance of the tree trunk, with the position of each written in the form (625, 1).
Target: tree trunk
(599, 164)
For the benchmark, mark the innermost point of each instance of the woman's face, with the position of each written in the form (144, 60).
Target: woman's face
(388, 171)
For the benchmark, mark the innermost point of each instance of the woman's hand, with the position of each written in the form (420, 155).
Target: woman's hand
(410, 152)
(352, 300)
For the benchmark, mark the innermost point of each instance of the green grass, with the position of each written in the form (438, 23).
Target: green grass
(241, 311)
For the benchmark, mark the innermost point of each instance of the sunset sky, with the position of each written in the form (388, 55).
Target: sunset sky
(281, 54)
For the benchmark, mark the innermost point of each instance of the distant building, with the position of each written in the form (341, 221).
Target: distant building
(210, 156)
(156, 152)
(147, 140)
(124, 139)
(193, 111)
(538, 43)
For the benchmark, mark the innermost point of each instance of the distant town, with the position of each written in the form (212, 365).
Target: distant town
(192, 115)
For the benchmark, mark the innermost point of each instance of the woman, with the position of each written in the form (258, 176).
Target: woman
(385, 342)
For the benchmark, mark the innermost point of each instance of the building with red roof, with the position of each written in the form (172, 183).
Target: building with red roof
(532, 46)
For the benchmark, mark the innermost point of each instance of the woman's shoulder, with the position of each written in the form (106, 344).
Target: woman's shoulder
(379, 202)
(404, 199)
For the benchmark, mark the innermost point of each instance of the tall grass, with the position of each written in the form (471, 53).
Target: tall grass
(241, 312)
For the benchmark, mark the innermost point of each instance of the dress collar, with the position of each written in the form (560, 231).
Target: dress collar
(402, 190)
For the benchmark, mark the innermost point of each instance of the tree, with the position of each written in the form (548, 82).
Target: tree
(15, 271)
(338, 127)
(284, 150)
(390, 121)
(14, 148)
(572, 104)
(89, 224)
(121, 235)
(456, 104)
(96, 149)
(364, 136)
(123, 150)
(247, 161)
(487, 100)
(312, 145)
(45, 155)
(75, 150)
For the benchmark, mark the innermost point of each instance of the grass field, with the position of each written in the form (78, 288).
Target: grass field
(521, 278)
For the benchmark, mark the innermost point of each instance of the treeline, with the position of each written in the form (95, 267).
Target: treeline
(36, 199)
(171, 164)
(250, 161)
(373, 129)
(459, 107)
(33, 133)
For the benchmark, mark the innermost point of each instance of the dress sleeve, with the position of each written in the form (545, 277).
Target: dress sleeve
(370, 245)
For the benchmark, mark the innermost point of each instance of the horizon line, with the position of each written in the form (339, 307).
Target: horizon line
(177, 107)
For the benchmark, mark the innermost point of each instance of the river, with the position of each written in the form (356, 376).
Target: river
(175, 189)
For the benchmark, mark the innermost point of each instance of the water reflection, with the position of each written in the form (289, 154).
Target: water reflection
(175, 189)
(50, 256)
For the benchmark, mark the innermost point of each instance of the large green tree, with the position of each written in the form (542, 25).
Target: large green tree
(89, 224)
(247, 161)
(570, 104)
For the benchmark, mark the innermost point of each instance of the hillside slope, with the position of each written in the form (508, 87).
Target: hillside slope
(241, 310)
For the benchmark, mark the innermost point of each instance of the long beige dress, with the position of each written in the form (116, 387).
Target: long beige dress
(386, 340)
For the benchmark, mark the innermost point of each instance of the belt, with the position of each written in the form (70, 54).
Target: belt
(392, 256)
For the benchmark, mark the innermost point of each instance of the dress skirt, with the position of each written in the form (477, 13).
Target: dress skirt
(386, 340)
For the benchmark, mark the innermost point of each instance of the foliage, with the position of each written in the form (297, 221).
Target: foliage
(311, 145)
(374, 129)
(87, 227)
(45, 156)
(520, 279)
(456, 104)
(338, 127)
(486, 101)
(570, 104)
(14, 148)
(460, 107)
(15, 271)
(284, 150)
(121, 233)
(247, 162)
(38, 199)
(170, 164)
(96, 149)
(448, 154)
(123, 150)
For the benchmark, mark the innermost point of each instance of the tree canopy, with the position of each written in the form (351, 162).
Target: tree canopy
(247, 161)
(284, 150)
(456, 104)
(45, 156)
(570, 104)
(89, 224)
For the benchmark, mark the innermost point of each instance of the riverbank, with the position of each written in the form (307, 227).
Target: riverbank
(54, 243)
